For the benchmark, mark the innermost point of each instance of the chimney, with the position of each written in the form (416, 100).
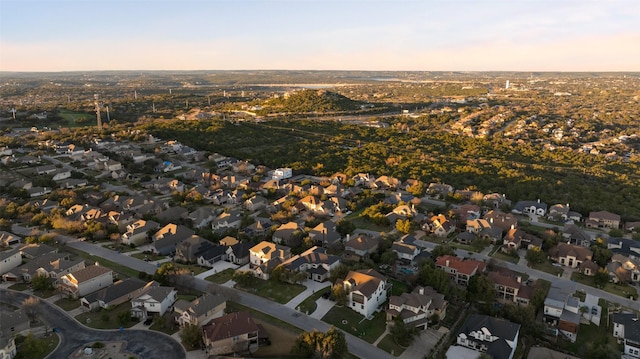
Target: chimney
(491, 220)
(519, 279)
(348, 235)
(538, 200)
(513, 226)
(446, 263)
(421, 291)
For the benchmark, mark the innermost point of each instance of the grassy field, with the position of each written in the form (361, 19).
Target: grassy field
(282, 341)
(618, 289)
(354, 323)
(309, 305)
(390, 346)
(398, 287)
(48, 343)
(589, 337)
(192, 268)
(106, 319)
(68, 304)
(274, 290)
(505, 257)
(150, 256)
(77, 119)
(221, 277)
(165, 324)
(547, 267)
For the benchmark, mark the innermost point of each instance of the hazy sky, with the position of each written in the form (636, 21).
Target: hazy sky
(519, 35)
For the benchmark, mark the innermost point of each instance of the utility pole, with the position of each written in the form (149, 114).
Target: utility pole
(97, 103)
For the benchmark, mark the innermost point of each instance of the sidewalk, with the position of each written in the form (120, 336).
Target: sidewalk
(312, 287)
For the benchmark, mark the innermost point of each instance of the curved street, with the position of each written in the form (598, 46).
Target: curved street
(75, 336)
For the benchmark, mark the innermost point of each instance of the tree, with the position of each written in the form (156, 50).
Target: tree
(166, 274)
(601, 256)
(401, 333)
(339, 294)
(601, 278)
(32, 347)
(41, 283)
(481, 289)
(535, 256)
(30, 307)
(615, 232)
(345, 227)
(403, 225)
(316, 344)
(441, 250)
(124, 317)
(191, 336)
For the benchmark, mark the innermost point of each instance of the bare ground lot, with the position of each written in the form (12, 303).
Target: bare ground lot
(281, 341)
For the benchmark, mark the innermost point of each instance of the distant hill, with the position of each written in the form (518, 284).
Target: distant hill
(305, 101)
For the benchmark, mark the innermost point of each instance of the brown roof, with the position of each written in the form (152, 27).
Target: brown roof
(362, 242)
(229, 326)
(505, 280)
(90, 272)
(563, 250)
(604, 215)
(461, 266)
(365, 281)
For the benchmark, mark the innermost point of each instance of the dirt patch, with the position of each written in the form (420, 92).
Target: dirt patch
(282, 340)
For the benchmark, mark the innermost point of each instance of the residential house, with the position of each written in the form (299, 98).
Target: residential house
(281, 173)
(603, 219)
(190, 249)
(255, 203)
(530, 207)
(439, 190)
(227, 220)
(199, 311)
(201, 217)
(570, 255)
(466, 212)
(484, 229)
(9, 260)
(509, 287)
(406, 252)
(562, 311)
(118, 293)
(258, 228)
(559, 212)
(624, 246)
(86, 280)
(138, 232)
(168, 237)
(12, 323)
(495, 337)
(367, 290)
(212, 254)
(289, 234)
(155, 301)
(589, 268)
(266, 251)
(416, 308)
(360, 247)
(238, 253)
(626, 328)
(441, 226)
(231, 333)
(325, 234)
(460, 270)
(574, 235)
(50, 265)
(467, 195)
(623, 269)
(315, 262)
(518, 239)
(502, 220)
(314, 205)
(172, 214)
(35, 250)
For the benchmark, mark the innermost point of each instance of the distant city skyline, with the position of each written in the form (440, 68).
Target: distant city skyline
(401, 35)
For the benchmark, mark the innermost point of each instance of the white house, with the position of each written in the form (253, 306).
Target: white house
(9, 260)
(153, 302)
(498, 338)
(282, 173)
(86, 280)
(367, 290)
(626, 328)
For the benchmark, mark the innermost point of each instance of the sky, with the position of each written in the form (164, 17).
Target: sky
(393, 35)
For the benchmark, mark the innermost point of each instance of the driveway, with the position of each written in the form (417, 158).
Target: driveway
(74, 336)
(422, 345)
(312, 287)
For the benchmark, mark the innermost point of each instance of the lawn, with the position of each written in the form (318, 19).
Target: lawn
(20, 286)
(165, 324)
(77, 119)
(106, 318)
(47, 343)
(355, 324)
(150, 256)
(547, 267)
(119, 248)
(274, 290)
(309, 305)
(398, 287)
(194, 269)
(68, 304)
(389, 345)
(505, 257)
(617, 289)
(221, 277)
(590, 336)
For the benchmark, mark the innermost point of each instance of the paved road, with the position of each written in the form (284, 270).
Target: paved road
(357, 346)
(74, 336)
